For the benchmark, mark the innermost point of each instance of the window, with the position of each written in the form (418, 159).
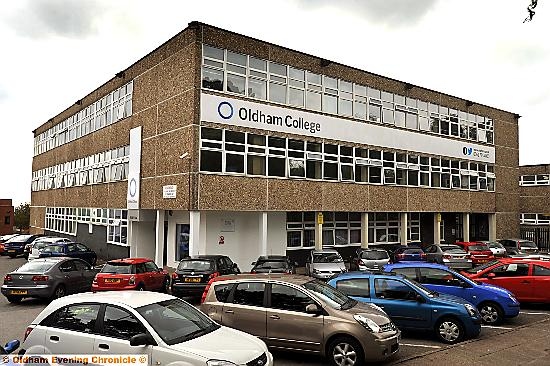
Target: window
(407, 272)
(119, 323)
(7, 220)
(541, 271)
(355, 287)
(249, 293)
(434, 276)
(79, 318)
(393, 289)
(223, 291)
(287, 298)
(511, 270)
(151, 267)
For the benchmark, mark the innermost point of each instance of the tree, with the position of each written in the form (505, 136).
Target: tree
(22, 215)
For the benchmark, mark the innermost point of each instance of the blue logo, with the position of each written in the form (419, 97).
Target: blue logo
(225, 110)
(467, 150)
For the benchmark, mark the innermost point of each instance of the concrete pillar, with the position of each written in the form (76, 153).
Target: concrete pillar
(364, 230)
(466, 226)
(171, 243)
(492, 227)
(318, 231)
(195, 245)
(131, 241)
(263, 233)
(403, 228)
(159, 247)
(437, 228)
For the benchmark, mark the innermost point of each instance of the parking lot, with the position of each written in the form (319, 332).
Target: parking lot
(15, 318)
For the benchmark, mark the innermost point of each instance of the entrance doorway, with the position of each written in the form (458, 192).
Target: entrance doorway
(182, 241)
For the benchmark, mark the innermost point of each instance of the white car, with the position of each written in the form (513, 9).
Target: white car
(167, 329)
(38, 245)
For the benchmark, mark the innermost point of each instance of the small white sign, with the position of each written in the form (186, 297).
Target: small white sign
(228, 225)
(169, 191)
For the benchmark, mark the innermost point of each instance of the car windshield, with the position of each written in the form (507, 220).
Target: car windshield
(327, 258)
(478, 247)
(329, 295)
(36, 267)
(270, 265)
(495, 245)
(19, 239)
(54, 249)
(482, 267)
(118, 268)
(374, 254)
(527, 244)
(176, 321)
(195, 265)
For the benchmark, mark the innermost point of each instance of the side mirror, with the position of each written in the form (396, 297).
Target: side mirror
(491, 275)
(313, 309)
(142, 339)
(11, 346)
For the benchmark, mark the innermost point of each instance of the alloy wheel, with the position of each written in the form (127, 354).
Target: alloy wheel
(449, 331)
(344, 354)
(59, 292)
(489, 314)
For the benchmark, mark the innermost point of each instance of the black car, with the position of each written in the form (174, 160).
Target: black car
(274, 264)
(193, 274)
(16, 245)
(73, 250)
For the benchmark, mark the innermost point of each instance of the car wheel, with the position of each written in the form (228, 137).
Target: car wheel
(59, 292)
(140, 287)
(14, 299)
(345, 351)
(491, 313)
(449, 330)
(166, 285)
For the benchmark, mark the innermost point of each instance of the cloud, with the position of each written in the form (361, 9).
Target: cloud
(520, 52)
(3, 94)
(65, 18)
(389, 12)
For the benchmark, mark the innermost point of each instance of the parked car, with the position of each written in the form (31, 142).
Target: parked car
(528, 280)
(3, 239)
(40, 243)
(73, 250)
(412, 306)
(323, 264)
(16, 245)
(131, 274)
(274, 264)
(48, 278)
(517, 246)
(408, 253)
(498, 249)
(193, 273)
(450, 255)
(494, 303)
(479, 253)
(369, 259)
(297, 313)
(167, 329)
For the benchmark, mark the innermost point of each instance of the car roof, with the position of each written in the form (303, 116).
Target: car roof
(130, 260)
(359, 274)
(544, 263)
(320, 251)
(272, 258)
(208, 257)
(416, 264)
(294, 279)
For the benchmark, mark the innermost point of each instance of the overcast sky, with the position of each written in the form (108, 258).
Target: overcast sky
(56, 51)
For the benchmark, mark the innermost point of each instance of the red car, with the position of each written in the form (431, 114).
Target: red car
(478, 252)
(131, 274)
(528, 280)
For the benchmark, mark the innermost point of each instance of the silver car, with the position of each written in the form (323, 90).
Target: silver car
(369, 259)
(323, 264)
(497, 248)
(449, 255)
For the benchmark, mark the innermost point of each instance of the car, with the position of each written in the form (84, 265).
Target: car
(16, 245)
(298, 313)
(323, 264)
(193, 273)
(412, 306)
(40, 243)
(527, 279)
(3, 239)
(48, 278)
(479, 253)
(494, 303)
(450, 255)
(369, 259)
(274, 264)
(498, 249)
(131, 274)
(167, 329)
(408, 253)
(519, 246)
(71, 249)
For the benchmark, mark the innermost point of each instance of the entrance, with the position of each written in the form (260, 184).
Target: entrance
(182, 241)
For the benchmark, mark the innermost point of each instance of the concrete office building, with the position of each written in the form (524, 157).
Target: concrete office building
(534, 184)
(216, 142)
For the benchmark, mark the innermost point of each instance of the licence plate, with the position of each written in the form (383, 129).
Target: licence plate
(11, 251)
(18, 292)
(112, 280)
(192, 279)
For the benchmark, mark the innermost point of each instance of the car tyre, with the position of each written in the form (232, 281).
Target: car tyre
(59, 292)
(449, 330)
(14, 299)
(345, 351)
(140, 287)
(166, 285)
(491, 313)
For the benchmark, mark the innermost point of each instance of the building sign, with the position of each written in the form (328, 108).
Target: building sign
(320, 218)
(134, 169)
(228, 225)
(169, 191)
(242, 113)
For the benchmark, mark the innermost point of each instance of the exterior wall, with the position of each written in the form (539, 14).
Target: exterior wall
(535, 199)
(7, 219)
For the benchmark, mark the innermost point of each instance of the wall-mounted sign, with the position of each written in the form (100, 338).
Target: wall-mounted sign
(134, 169)
(320, 218)
(228, 225)
(169, 191)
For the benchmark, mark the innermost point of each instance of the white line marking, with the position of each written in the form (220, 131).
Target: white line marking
(495, 327)
(533, 313)
(418, 345)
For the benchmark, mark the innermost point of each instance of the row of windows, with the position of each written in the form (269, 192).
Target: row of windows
(535, 180)
(105, 111)
(227, 71)
(232, 152)
(344, 228)
(108, 166)
(535, 219)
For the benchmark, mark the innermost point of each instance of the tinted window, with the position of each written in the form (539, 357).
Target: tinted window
(67, 266)
(54, 249)
(327, 258)
(228, 262)
(120, 268)
(434, 276)
(80, 318)
(140, 268)
(71, 248)
(431, 249)
(407, 272)
(478, 247)
(511, 270)
(222, 291)
(81, 266)
(287, 298)
(119, 323)
(527, 244)
(151, 267)
(356, 287)
(271, 265)
(35, 266)
(413, 251)
(393, 289)
(81, 247)
(541, 271)
(249, 293)
(374, 254)
(195, 265)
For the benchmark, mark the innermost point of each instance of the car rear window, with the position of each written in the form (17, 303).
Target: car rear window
(36, 266)
(528, 244)
(478, 247)
(118, 268)
(19, 238)
(222, 291)
(53, 249)
(195, 265)
(270, 265)
(413, 251)
(374, 254)
(327, 258)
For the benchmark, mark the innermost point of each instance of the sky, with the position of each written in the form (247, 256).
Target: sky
(54, 52)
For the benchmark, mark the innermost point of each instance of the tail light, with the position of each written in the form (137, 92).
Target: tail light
(27, 332)
(39, 278)
(400, 256)
(7, 278)
(205, 292)
(422, 255)
(213, 275)
(447, 256)
(175, 276)
(132, 280)
(252, 271)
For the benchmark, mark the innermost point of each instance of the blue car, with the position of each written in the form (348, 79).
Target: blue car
(73, 250)
(494, 303)
(412, 306)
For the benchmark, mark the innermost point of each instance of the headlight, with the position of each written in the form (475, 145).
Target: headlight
(471, 310)
(367, 323)
(219, 363)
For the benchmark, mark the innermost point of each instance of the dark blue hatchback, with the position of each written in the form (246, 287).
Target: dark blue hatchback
(494, 303)
(73, 250)
(412, 306)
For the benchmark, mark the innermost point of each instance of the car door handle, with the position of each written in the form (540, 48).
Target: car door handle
(274, 317)
(229, 311)
(103, 346)
(54, 338)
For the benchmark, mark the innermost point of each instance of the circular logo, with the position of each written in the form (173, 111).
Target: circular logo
(225, 110)
(133, 187)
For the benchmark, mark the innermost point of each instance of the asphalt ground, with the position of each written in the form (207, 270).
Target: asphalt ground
(414, 346)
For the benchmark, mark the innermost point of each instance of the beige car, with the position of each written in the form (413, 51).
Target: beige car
(296, 313)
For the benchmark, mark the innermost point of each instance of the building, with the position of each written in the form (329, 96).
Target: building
(217, 142)
(534, 184)
(7, 216)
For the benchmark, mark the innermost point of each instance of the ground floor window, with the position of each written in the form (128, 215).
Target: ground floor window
(182, 241)
(535, 219)
(61, 220)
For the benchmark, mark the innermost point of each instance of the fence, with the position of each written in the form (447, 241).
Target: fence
(540, 235)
